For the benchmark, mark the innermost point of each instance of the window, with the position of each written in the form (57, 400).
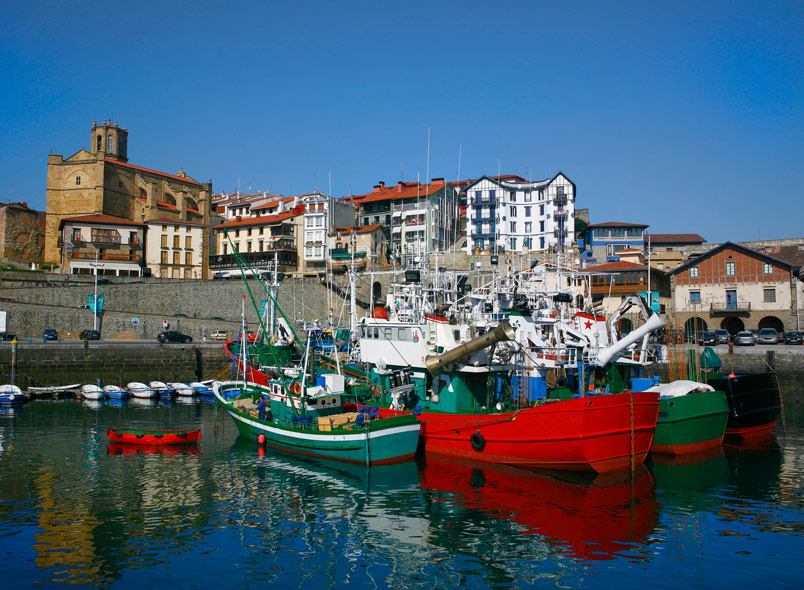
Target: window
(612, 249)
(176, 258)
(513, 243)
(176, 242)
(527, 211)
(188, 258)
(188, 242)
(513, 227)
(77, 180)
(528, 197)
(513, 211)
(769, 295)
(164, 257)
(76, 234)
(541, 243)
(767, 268)
(107, 236)
(730, 269)
(541, 209)
(694, 272)
(402, 334)
(541, 226)
(110, 143)
(133, 238)
(492, 194)
(528, 227)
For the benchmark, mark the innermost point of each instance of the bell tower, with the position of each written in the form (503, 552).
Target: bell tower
(110, 141)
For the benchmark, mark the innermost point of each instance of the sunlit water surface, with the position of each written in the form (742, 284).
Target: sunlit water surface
(75, 510)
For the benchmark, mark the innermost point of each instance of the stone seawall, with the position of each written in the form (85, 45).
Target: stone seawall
(112, 363)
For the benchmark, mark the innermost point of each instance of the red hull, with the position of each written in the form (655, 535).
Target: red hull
(689, 448)
(127, 449)
(154, 437)
(592, 433)
(752, 431)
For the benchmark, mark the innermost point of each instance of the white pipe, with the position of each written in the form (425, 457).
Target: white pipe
(609, 353)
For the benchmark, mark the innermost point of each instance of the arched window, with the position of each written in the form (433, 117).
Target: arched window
(110, 143)
(191, 204)
(170, 199)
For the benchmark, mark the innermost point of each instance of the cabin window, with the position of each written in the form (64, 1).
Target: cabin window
(388, 333)
(402, 334)
(376, 333)
(456, 335)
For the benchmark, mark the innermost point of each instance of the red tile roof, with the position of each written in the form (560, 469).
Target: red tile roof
(160, 204)
(166, 221)
(402, 190)
(617, 224)
(363, 229)
(675, 239)
(186, 179)
(101, 218)
(264, 220)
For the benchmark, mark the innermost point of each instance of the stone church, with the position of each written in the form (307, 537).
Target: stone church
(103, 182)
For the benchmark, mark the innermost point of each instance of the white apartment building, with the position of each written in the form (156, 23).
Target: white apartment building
(513, 216)
(174, 249)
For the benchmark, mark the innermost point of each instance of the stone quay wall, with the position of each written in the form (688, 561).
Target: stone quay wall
(111, 363)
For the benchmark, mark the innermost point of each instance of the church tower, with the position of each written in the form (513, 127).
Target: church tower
(109, 141)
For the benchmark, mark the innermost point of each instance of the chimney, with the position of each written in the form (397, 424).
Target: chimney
(438, 181)
(400, 186)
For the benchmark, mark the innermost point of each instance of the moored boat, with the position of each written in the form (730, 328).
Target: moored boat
(202, 389)
(692, 418)
(140, 390)
(115, 392)
(754, 403)
(154, 437)
(92, 392)
(162, 389)
(53, 390)
(11, 395)
(182, 389)
(316, 423)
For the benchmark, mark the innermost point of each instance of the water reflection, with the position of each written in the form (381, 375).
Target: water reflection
(586, 518)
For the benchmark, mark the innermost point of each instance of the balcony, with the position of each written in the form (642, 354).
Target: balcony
(483, 202)
(106, 256)
(730, 307)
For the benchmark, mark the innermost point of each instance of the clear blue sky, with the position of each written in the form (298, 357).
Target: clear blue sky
(687, 116)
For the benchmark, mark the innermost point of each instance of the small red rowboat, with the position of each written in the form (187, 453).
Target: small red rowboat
(154, 437)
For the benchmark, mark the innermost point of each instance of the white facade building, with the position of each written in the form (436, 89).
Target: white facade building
(505, 216)
(174, 249)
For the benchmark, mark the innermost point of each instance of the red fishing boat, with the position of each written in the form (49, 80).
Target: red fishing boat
(154, 437)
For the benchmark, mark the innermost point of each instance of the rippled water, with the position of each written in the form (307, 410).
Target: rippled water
(75, 510)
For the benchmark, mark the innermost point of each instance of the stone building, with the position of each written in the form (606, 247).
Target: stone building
(101, 181)
(22, 234)
(736, 288)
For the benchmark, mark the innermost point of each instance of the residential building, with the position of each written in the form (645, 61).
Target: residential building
(601, 242)
(321, 215)
(668, 251)
(613, 281)
(260, 240)
(101, 181)
(22, 234)
(419, 218)
(365, 246)
(111, 244)
(173, 249)
(520, 216)
(735, 288)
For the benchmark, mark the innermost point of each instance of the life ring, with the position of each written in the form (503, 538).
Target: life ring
(478, 442)
(295, 387)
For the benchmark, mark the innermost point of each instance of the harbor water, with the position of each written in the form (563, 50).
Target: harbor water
(78, 511)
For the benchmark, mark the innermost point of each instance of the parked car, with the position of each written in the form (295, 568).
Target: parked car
(8, 336)
(744, 339)
(173, 336)
(722, 336)
(768, 336)
(50, 334)
(89, 335)
(794, 338)
(707, 339)
(220, 335)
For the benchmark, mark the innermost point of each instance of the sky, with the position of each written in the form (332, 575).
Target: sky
(686, 116)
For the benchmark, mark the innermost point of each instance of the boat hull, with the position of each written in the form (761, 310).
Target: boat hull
(593, 433)
(153, 437)
(384, 441)
(754, 403)
(690, 423)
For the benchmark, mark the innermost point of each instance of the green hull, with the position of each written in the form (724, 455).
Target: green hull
(386, 440)
(690, 423)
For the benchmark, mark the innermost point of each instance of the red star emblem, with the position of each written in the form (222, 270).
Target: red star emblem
(588, 324)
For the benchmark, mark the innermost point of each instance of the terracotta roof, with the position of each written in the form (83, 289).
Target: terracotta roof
(161, 204)
(166, 221)
(401, 190)
(363, 229)
(186, 179)
(272, 203)
(101, 219)
(616, 224)
(264, 220)
(619, 265)
(675, 239)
